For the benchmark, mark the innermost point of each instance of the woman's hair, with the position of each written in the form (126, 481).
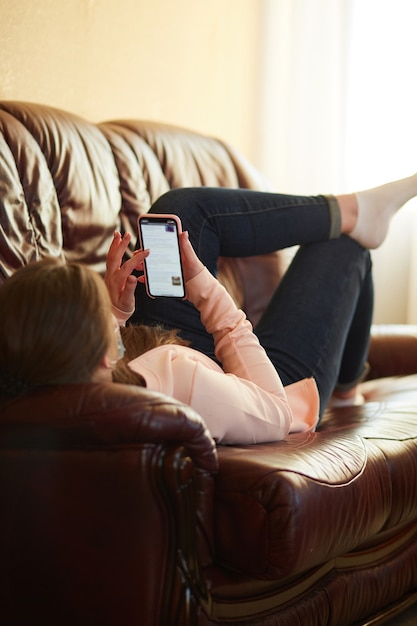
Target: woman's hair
(55, 326)
(137, 340)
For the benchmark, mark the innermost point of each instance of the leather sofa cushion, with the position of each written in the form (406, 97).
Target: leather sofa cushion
(316, 495)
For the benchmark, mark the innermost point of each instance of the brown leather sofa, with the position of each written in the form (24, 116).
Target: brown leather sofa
(117, 508)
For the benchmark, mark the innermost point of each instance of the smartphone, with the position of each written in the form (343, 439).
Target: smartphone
(163, 269)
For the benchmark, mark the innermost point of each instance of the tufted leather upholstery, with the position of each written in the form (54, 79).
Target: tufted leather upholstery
(116, 506)
(67, 184)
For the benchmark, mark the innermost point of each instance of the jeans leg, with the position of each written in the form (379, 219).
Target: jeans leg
(355, 355)
(318, 321)
(234, 223)
(243, 222)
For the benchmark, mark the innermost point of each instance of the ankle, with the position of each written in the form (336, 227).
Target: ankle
(348, 205)
(346, 395)
(353, 397)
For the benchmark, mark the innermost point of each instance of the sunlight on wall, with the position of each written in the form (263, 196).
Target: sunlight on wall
(381, 137)
(302, 94)
(338, 105)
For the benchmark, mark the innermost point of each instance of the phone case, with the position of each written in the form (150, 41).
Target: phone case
(157, 218)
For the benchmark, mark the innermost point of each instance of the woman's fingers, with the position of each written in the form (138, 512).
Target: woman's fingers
(127, 297)
(135, 262)
(191, 263)
(116, 250)
(120, 281)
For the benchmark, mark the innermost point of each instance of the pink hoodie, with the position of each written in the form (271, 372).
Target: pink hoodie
(243, 402)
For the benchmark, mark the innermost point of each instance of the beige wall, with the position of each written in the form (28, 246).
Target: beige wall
(187, 62)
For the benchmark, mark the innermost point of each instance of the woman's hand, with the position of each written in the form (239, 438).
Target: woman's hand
(191, 264)
(119, 280)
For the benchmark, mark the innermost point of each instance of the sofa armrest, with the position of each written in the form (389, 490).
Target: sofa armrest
(107, 498)
(393, 350)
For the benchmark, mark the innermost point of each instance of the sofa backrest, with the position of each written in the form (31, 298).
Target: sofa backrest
(66, 184)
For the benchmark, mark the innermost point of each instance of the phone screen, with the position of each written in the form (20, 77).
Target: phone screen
(163, 270)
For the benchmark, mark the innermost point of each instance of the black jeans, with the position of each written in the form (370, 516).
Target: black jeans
(318, 321)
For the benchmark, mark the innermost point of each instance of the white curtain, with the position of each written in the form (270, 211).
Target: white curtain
(338, 112)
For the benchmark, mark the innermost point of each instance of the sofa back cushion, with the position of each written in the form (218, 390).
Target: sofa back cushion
(67, 184)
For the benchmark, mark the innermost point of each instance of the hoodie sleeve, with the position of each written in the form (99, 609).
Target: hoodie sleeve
(240, 353)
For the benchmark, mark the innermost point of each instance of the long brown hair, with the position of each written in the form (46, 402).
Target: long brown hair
(55, 326)
(138, 340)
